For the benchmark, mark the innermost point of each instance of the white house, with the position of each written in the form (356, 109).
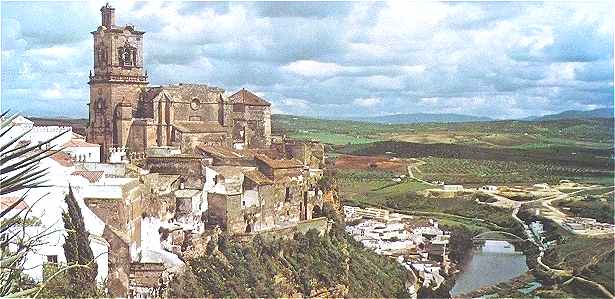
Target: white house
(489, 189)
(80, 150)
(46, 205)
(452, 188)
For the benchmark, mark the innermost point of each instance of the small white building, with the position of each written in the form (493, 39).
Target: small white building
(452, 188)
(489, 189)
(541, 186)
(82, 151)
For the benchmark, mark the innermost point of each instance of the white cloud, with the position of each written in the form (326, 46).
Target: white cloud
(484, 58)
(52, 93)
(311, 68)
(380, 82)
(367, 102)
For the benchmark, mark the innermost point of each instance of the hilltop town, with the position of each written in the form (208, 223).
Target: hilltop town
(191, 190)
(162, 170)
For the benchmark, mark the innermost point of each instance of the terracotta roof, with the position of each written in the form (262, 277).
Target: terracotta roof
(79, 143)
(225, 152)
(258, 177)
(77, 136)
(6, 201)
(90, 175)
(198, 127)
(62, 158)
(281, 163)
(247, 98)
(228, 171)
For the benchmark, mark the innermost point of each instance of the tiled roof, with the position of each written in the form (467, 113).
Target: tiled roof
(228, 171)
(79, 143)
(258, 177)
(281, 163)
(6, 201)
(247, 98)
(77, 136)
(225, 152)
(21, 120)
(92, 176)
(198, 127)
(62, 158)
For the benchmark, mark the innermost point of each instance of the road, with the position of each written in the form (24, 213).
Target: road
(542, 249)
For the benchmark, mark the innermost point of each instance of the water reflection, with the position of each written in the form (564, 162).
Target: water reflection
(494, 262)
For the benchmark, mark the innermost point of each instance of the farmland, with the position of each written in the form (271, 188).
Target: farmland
(497, 152)
(586, 133)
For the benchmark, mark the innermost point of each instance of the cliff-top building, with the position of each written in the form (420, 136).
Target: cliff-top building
(189, 161)
(124, 112)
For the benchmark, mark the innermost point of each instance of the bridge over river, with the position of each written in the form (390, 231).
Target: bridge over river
(498, 236)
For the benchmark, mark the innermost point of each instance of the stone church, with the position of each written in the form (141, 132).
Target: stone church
(199, 163)
(124, 112)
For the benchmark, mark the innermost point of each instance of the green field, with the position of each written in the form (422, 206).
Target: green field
(586, 133)
(331, 138)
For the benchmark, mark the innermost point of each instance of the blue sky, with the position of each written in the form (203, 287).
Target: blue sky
(496, 59)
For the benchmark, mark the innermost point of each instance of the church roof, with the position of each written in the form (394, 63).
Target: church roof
(247, 98)
(186, 93)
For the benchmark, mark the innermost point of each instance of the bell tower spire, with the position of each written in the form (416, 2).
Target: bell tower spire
(117, 78)
(108, 16)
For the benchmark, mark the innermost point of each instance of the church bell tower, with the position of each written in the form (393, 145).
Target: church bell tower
(116, 81)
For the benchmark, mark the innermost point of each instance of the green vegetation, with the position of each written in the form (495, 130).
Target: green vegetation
(82, 268)
(476, 152)
(590, 207)
(587, 257)
(307, 265)
(582, 133)
(331, 138)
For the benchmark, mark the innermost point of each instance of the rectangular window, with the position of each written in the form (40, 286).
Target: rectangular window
(194, 118)
(52, 259)
(287, 196)
(239, 108)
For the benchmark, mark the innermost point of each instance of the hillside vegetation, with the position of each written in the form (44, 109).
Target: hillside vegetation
(310, 265)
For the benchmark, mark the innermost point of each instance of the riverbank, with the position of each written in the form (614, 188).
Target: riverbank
(491, 263)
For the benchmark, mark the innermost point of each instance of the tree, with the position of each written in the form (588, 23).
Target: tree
(77, 251)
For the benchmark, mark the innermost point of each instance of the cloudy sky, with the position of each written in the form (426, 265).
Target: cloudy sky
(326, 59)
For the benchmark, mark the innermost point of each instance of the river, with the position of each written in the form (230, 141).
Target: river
(492, 263)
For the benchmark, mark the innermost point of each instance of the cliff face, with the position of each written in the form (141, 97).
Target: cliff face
(331, 265)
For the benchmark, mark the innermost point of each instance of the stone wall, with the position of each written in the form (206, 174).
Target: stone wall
(119, 264)
(280, 204)
(320, 224)
(187, 166)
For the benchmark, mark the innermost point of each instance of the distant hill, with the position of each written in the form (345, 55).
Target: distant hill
(419, 118)
(78, 124)
(576, 114)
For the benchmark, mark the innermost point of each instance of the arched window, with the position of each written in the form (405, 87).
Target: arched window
(127, 55)
(100, 104)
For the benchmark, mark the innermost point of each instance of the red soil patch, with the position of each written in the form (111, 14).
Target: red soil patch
(369, 163)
